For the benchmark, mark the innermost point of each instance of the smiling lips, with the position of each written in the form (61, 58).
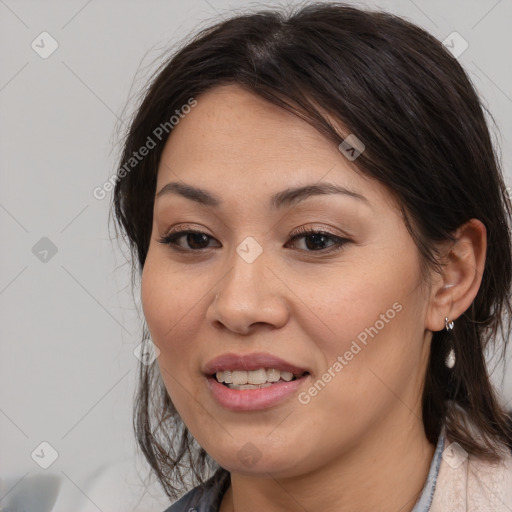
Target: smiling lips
(252, 381)
(250, 363)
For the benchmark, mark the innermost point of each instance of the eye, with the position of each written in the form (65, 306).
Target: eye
(198, 240)
(318, 238)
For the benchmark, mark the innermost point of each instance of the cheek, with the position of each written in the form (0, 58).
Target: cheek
(374, 340)
(166, 298)
(168, 305)
(168, 310)
(359, 304)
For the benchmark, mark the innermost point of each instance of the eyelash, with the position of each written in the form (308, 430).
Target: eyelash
(171, 238)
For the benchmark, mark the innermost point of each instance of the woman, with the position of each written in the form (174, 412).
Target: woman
(321, 229)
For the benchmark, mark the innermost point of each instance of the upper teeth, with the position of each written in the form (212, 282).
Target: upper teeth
(260, 376)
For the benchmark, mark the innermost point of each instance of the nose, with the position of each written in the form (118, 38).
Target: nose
(249, 294)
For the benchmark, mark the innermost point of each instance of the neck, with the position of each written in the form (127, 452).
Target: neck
(392, 463)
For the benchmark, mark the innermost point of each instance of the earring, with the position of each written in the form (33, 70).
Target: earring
(450, 358)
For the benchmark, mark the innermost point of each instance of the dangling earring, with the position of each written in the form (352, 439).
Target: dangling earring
(450, 358)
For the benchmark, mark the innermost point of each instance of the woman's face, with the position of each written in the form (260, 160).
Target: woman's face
(344, 311)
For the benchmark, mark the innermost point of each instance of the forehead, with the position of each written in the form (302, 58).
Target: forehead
(230, 119)
(233, 139)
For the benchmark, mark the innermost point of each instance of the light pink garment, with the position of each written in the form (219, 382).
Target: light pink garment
(469, 484)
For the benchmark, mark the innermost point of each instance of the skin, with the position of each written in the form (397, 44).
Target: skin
(361, 437)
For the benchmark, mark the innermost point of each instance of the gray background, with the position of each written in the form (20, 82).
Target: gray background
(69, 324)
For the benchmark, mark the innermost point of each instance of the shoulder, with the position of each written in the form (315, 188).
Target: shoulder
(490, 484)
(188, 502)
(470, 484)
(203, 498)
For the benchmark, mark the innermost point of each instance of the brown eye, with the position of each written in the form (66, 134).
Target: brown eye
(316, 240)
(196, 240)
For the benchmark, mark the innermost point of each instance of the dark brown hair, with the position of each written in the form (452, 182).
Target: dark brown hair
(402, 93)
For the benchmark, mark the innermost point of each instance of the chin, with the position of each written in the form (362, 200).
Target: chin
(251, 461)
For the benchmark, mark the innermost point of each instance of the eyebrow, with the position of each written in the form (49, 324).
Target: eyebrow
(281, 199)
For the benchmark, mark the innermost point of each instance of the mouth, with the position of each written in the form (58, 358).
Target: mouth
(255, 379)
(252, 382)
(256, 369)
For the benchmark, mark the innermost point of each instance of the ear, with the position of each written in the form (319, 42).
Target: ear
(463, 267)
